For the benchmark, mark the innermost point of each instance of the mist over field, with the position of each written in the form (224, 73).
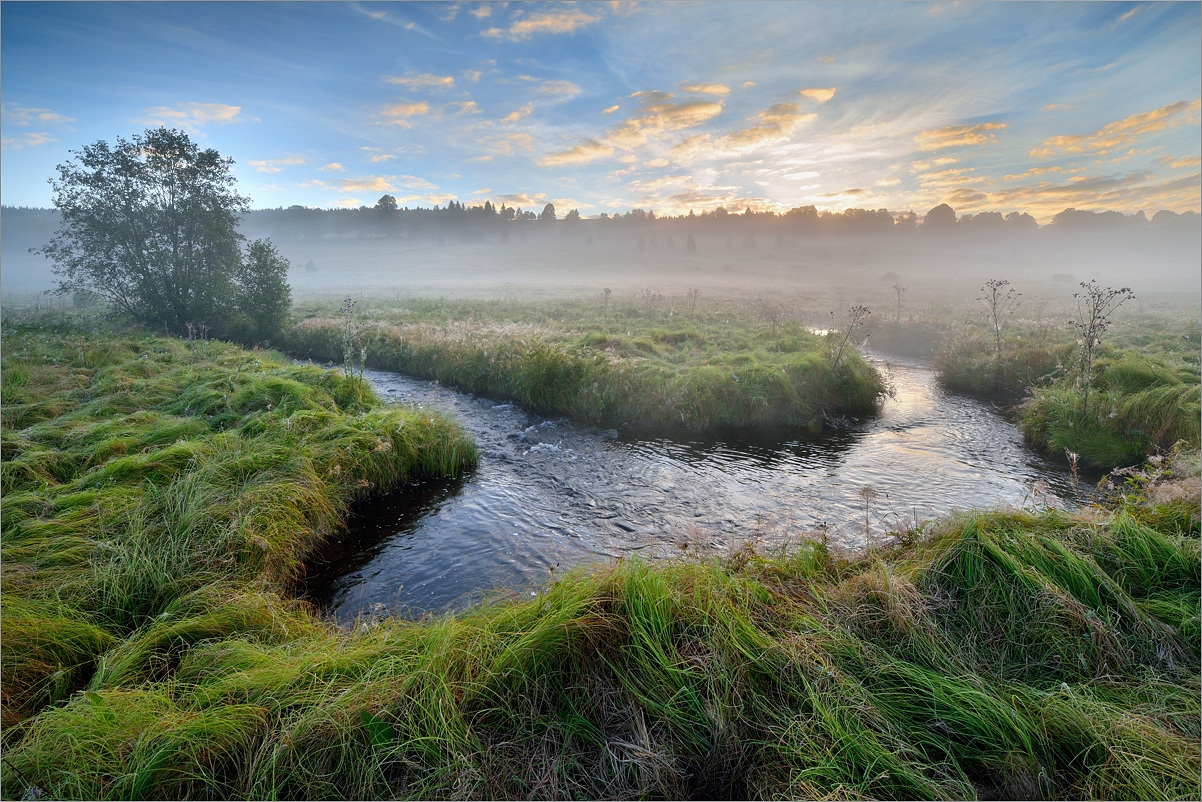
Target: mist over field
(465, 253)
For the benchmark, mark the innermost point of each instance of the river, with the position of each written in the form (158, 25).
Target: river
(547, 495)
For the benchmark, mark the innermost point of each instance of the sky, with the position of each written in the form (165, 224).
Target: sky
(604, 107)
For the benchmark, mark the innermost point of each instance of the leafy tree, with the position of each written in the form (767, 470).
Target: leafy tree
(263, 294)
(150, 225)
(572, 216)
(386, 203)
(548, 214)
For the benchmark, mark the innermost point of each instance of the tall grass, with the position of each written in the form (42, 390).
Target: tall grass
(143, 477)
(1007, 655)
(638, 364)
(154, 524)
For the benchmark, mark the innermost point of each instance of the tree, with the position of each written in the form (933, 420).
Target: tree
(263, 296)
(386, 203)
(572, 216)
(548, 214)
(150, 225)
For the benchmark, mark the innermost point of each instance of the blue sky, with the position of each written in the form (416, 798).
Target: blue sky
(609, 106)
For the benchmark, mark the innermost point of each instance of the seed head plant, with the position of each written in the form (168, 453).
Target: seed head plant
(1096, 306)
(999, 304)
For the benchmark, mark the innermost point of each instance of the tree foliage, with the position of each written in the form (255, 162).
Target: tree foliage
(150, 224)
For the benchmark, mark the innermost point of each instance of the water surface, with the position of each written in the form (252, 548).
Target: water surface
(547, 495)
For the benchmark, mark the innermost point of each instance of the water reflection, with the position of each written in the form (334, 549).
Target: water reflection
(548, 494)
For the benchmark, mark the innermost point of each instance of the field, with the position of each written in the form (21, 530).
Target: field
(644, 360)
(160, 498)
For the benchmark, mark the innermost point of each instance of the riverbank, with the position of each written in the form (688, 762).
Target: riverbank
(160, 498)
(1142, 396)
(645, 360)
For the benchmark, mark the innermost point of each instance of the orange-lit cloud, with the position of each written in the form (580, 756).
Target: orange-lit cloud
(1185, 161)
(958, 136)
(517, 114)
(568, 21)
(776, 124)
(399, 113)
(820, 95)
(368, 183)
(1120, 133)
(658, 113)
(707, 89)
(194, 115)
(583, 153)
(332, 167)
(610, 110)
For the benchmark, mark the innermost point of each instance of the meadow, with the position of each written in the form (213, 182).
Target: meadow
(644, 360)
(161, 496)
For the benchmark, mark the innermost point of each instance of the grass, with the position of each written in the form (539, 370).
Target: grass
(1144, 394)
(160, 498)
(148, 480)
(643, 361)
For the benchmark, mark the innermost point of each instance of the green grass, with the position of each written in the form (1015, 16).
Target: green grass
(145, 479)
(160, 498)
(641, 363)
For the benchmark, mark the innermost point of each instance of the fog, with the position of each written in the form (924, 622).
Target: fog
(397, 253)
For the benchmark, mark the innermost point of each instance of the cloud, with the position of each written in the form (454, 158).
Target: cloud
(332, 167)
(558, 88)
(486, 158)
(1054, 106)
(707, 89)
(192, 116)
(517, 114)
(583, 153)
(688, 149)
(467, 107)
(483, 191)
(473, 76)
(747, 84)
(522, 199)
(1120, 133)
(568, 21)
(1185, 161)
(414, 182)
(888, 182)
(423, 81)
(610, 110)
(400, 111)
(29, 140)
(276, 165)
(16, 114)
(368, 183)
(776, 124)
(942, 160)
(844, 193)
(350, 203)
(802, 175)
(1034, 171)
(659, 183)
(481, 11)
(503, 145)
(958, 135)
(659, 113)
(493, 33)
(820, 95)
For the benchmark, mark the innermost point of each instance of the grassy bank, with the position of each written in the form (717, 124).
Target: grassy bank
(159, 493)
(1004, 655)
(1143, 391)
(641, 360)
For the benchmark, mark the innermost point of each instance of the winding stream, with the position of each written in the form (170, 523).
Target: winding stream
(548, 494)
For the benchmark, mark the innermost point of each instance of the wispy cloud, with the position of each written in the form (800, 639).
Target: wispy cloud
(332, 167)
(192, 116)
(16, 114)
(517, 114)
(276, 165)
(583, 153)
(953, 136)
(29, 140)
(610, 110)
(1120, 133)
(368, 183)
(658, 112)
(467, 107)
(775, 124)
(1174, 163)
(424, 80)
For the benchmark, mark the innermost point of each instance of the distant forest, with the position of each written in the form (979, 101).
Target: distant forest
(459, 222)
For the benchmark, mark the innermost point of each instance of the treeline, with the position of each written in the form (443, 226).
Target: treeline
(459, 221)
